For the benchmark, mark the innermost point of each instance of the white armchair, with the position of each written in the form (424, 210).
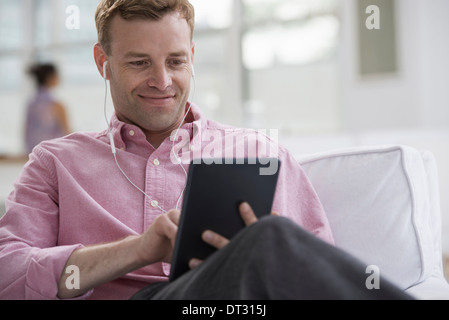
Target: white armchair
(383, 206)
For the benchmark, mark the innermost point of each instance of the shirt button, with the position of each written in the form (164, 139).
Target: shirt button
(156, 162)
(132, 133)
(154, 204)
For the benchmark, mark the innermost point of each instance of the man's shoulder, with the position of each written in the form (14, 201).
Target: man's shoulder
(236, 130)
(72, 143)
(268, 139)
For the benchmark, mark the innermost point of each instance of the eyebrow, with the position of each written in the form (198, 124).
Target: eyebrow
(136, 55)
(133, 54)
(179, 54)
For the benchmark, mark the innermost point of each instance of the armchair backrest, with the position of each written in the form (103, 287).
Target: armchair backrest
(383, 207)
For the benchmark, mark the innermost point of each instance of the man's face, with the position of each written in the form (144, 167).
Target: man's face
(150, 70)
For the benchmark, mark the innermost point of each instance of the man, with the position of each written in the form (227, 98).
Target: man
(74, 206)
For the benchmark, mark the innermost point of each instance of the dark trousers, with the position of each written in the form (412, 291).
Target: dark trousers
(275, 259)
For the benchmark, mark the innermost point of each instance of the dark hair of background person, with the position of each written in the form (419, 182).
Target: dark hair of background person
(42, 73)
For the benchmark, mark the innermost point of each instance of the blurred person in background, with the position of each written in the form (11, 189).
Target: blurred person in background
(46, 118)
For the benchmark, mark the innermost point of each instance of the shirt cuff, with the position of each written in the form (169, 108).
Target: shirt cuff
(45, 270)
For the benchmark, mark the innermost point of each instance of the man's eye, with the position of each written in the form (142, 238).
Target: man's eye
(139, 63)
(177, 62)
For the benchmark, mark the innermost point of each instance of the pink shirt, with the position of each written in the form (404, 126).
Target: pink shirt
(71, 194)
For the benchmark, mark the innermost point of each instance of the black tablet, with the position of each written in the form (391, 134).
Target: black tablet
(215, 189)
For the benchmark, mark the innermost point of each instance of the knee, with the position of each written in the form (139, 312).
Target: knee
(279, 230)
(274, 223)
(274, 227)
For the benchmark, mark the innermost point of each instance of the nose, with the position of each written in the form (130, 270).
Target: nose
(160, 78)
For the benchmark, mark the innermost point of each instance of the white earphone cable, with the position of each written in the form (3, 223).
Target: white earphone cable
(114, 152)
(176, 136)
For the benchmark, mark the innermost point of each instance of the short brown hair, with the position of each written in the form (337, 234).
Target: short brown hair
(138, 9)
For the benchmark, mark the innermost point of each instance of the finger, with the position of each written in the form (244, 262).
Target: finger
(247, 214)
(168, 226)
(214, 239)
(193, 263)
(174, 216)
(276, 214)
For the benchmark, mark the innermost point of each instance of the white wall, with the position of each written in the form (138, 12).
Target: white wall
(410, 108)
(85, 104)
(297, 99)
(434, 67)
(12, 111)
(418, 96)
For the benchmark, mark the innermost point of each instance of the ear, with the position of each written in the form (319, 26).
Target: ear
(192, 58)
(100, 58)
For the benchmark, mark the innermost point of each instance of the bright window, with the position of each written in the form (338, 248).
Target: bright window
(248, 53)
(289, 32)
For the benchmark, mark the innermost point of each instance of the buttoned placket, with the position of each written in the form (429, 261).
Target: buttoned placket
(155, 183)
(123, 134)
(155, 175)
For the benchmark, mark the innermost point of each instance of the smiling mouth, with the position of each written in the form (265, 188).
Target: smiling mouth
(157, 100)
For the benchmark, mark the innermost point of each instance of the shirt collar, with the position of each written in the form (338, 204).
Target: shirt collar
(195, 122)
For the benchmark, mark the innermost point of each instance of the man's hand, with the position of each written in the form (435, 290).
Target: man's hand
(218, 241)
(158, 241)
(102, 263)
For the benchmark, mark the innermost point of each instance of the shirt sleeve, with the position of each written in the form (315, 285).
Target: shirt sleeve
(30, 259)
(296, 199)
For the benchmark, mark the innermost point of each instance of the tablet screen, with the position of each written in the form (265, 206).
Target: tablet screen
(215, 189)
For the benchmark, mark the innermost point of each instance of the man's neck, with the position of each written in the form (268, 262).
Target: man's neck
(157, 138)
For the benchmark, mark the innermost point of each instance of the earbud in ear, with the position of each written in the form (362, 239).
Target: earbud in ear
(104, 69)
(193, 71)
